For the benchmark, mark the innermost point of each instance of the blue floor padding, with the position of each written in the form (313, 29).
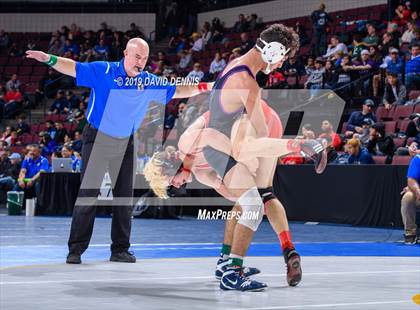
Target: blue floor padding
(43, 240)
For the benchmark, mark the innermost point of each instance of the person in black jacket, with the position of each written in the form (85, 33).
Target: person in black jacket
(395, 92)
(380, 144)
(330, 76)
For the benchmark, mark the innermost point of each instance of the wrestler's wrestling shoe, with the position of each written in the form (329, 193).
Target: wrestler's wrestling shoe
(222, 266)
(294, 269)
(315, 151)
(233, 279)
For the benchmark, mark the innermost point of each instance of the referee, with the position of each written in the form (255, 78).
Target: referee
(120, 95)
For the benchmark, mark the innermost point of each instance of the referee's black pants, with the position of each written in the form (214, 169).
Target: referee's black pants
(101, 153)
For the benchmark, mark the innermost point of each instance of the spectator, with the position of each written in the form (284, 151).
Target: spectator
(67, 152)
(236, 52)
(7, 133)
(88, 56)
(301, 31)
(31, 169)
(403, 14)
(117, 47)
(172, 20)
(320, 20)
(9, 171)
(241, 24)
(410, 201)
(310, 65)
(218, 30)
(253, 23)
(371, 39)
(364, 67)
(328, 132)
(388, 42)
(80, 120)
(330, 76)
(162, 57)
(206, 33)
(15, 50)
(358, 154)
(217, 65)
(13, 100)
(50, 129)
(409, 35)
(76, 144)
(412, 68)
(179, 42)
(56, 48)
(411, 132)
(47, 144)
(60, 133)
(307, 132)
(395, 92)
(293, 67)
(356, 119)
(102, 50)
(364, 135)
(196, 74)
(60, 104)
(133, 32)
(185, 60)
(69, 46)
(394, 63)
(73, 100)
(13, 83)
(246, 43)
(315, 78)
(4, 40)
(379, 143)
(198, 43)
(2, 101)
(22, 127)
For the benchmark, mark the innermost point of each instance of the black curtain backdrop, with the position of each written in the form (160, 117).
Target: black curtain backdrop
(356, 195)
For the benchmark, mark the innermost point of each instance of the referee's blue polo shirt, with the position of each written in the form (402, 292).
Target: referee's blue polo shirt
(118, 103)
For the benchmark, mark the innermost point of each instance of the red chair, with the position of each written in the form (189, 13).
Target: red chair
(26, 139)
(390, 127)
(9, 70)
(401, 160)
(410, 140)
(402, 125)
(67, 126)
(379, 160)
(414, 94)
(40, 70)
(417, 108)
(34, 128)
(15, 61)
(401, 112)
(382, 114)
(25, 70)
(17, 149)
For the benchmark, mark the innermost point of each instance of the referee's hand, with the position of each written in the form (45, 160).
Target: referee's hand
(38, 55)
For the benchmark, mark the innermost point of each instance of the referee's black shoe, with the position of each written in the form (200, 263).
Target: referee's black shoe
(123, 257)
(73, 258)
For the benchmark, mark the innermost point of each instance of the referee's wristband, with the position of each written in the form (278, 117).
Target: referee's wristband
(53, 60)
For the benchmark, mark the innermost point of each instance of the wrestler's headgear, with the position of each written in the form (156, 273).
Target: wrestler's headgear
(271, 52)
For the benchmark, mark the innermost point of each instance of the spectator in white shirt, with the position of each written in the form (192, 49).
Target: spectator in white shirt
(218, 64)
(206, 34)
(196, 74)
(409, 35)
(335, 46)
(184, 59)
(198, 44)
(13, 83)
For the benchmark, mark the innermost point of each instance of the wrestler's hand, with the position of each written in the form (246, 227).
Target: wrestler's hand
(37, 55)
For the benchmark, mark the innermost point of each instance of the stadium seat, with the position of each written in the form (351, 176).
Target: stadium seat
(25, 70)
(403, 124)
(67, 126)
(17, 149)
(401, 111)
(382, 114)
(40, 70)
(417, 108)
(15, 61)
(9, 70)
(379, 160)
(410, 140)
(401, 160)
(414, 94)
(390, 127)
(34, 128)
(344, 127)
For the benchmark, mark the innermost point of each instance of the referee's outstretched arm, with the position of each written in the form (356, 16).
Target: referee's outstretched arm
(61, 64)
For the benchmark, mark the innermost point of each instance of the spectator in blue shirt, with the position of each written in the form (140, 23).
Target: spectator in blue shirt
(50, 128)
(47, 144)
(412, 68)
(410, 202)
(73, 100)
(102, 50)
(120, 96)
(355, 122)
(69, 46)
(32, 167)
(67, 152)
(60, 104)
(358, 155)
